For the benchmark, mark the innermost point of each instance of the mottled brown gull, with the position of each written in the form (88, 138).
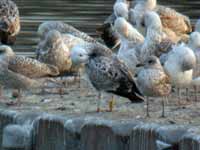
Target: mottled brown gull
(13, 78)
(9, 21)
(106, 72)
(55, 52)
(152, 81)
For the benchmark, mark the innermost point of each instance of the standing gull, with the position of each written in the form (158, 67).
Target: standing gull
(179, 66)
(9, 21)
(156, 42)
(130, 39)
(106, 72)
(178, 23)
(153, 82)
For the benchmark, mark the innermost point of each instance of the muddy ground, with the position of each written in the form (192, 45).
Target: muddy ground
(78, 101)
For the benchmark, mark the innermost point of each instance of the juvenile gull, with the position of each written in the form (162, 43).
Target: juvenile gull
(62, 27)
(27, 66)
(9, 21)
(153, 82)
(55, 52)
(12, 79)
(106, 72)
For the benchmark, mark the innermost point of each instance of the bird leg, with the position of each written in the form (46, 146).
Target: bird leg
(19, 97)
(195, 92)
(179, 96)
(163, 107)
(187, 94)
(147, 108)
(111, 104)
(99, 102)
(61, 90)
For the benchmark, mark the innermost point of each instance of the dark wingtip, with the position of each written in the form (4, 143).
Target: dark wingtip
(136, 99)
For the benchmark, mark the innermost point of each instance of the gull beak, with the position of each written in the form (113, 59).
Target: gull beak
(139, 65)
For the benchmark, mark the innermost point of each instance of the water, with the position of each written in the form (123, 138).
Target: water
(85, 15)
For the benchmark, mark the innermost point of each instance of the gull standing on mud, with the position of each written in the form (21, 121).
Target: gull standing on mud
(130, 39)
(153, 82)
(106, 72)
(9, 21)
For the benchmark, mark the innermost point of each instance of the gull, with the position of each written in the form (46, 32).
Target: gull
(179, 66)
(106, 72)
(130, 38)
(152, 81)
(55, 52)
(121, 9)
(62, 27)
(9, 21)
(156, 42)
(15, 78)
(171, 19)
(27, 66)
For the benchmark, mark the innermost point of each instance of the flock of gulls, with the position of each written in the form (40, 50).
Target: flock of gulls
(148, 50)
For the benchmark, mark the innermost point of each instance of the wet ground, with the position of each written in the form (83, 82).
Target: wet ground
(86, 15)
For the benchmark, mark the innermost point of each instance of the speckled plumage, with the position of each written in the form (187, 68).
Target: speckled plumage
(54, 51)
(152, 80)
(62, 27)
(9, 21)
(27, 66)
(14, 77)
(107, 73)
(31, 67)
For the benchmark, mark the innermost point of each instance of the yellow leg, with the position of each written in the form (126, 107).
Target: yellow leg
(99, 102)
(111, 104)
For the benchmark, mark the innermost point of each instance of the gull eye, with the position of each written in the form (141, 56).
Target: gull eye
(81, 55)
(150, 61)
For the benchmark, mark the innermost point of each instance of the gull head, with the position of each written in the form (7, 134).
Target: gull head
(194, 40)
(121, 10)
(152, 62)
(79, 55)
(183, 57)
(6, 53)
(53, 36)
(152, 20)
